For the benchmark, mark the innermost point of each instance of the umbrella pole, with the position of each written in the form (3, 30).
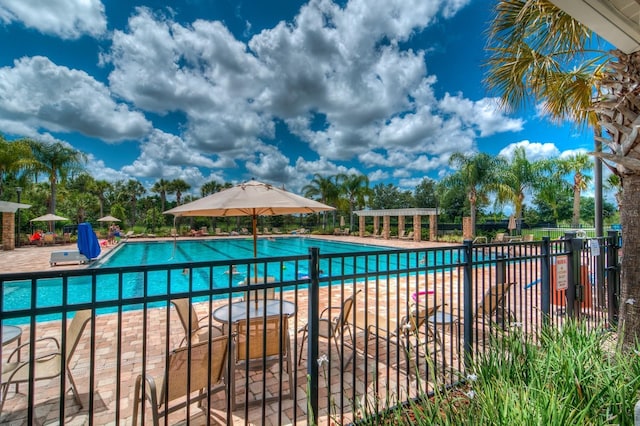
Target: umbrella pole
(254, 224)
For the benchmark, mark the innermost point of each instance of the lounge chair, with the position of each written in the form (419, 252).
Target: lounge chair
(276, 230)
(174, 233)
(192, 324)
(193, 366)
(401, 234)
(407, 237)
(266, 231)
(376, 233)
(49, 239)
(128, 235)
(220, 233)
(48, 364)
(260, 343)
(501, 237)
(333, 328)
(337, 231)
(204, 231)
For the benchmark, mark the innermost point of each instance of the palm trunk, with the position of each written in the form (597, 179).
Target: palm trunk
(629, 326)
(575, 220)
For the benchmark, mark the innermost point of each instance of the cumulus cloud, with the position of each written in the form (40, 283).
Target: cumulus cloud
(484, 114)
(535, 150)
(67, 19)
(37, 93)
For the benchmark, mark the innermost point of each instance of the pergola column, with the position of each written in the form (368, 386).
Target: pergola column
(361, 225)
(417, 228)
(433, 227)
(376, 224)
(386, 227)
(8, 231)
(400, 224)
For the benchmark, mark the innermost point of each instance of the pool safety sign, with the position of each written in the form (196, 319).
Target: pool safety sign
(562, 272)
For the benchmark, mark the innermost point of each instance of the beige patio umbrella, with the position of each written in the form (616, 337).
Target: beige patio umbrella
(253, 199)
(512, 224)
(49, 217)
(108, 219)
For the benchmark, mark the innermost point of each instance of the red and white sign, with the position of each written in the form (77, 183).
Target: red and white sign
(562, 272)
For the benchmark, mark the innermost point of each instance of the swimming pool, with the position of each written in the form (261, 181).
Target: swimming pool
(110, 287)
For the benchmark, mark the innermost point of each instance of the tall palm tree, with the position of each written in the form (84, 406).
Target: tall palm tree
(100, 189)
(475, 173)
(355, 189)
(323, 189)
(515, 179)
(211, 188)
(161, 187)
(57, 161)
(540, 53)
(129, 192)
(179, 186)
(578, 165)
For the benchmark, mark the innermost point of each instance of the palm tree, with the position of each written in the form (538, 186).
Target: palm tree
(538, 52)
(129, 192)
(552, 188)
(613, 182)
(100, 189)
(355, 189)
(578, 165)
(211, 188)
(57, 161)
(161, 187)
(515, 179)
(323, 189)
(14, 157)
(179, 186)
(474, 173)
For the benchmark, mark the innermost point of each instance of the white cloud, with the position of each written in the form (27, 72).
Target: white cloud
(535, 150)
(37, 93)
(67, 19)
(484, 114)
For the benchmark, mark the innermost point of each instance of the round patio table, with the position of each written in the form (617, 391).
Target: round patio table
(11, 333)
(243, 310)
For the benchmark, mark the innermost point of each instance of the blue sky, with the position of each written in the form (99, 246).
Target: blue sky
(228, 91)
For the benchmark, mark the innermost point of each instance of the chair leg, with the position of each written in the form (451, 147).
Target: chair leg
(136, 400)
(304, 336)
(74, 389)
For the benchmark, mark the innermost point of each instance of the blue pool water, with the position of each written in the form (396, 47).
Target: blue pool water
(49, 292)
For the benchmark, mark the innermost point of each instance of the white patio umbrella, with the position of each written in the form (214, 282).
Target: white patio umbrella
(49, 217)
(108, 219)
(253, 199)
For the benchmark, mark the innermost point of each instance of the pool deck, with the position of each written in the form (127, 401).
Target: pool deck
(35, 258)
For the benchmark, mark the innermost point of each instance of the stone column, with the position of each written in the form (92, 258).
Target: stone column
(400, 224)
(376, 224)
(433, 227)
(386, 227)
(361, 225)
(417, 228)
(467, 232)
(8, 231)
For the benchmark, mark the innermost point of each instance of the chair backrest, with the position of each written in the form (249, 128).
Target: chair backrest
(262, 338)
(528, 238)
(493, 298)
(49, 238)
(343, 317)
(187, 315)
(78, 323)
(401, 233)
(412, 323)
(500, 237)
(410, 235)
(196, 361)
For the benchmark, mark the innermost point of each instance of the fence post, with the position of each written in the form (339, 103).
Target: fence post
(545, 271)
(468, 303)
(574, 271)
(312, 337)
(613, 278)
(501, 269)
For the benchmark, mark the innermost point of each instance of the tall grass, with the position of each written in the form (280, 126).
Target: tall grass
(568, 376)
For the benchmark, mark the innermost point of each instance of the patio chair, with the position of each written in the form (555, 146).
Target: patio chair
(220, 233)
(276, 230)
(333, 328)
(191, 323)
(189, 369)
(501, 237)
(376, 233)
(49, 239)
(409, 236)
(261, 343)
(492, 309)
(204, 231)
(48, 365)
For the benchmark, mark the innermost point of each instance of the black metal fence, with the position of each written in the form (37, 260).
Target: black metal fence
(352, 335)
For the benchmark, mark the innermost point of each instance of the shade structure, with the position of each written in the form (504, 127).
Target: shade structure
(253, 199)
(48, 218)
(108, 219)
(88, 243)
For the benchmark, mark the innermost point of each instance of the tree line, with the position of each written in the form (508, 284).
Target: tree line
(53, 179)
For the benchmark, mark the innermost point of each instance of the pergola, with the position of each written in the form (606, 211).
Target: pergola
(8, 210)
(386, 214)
